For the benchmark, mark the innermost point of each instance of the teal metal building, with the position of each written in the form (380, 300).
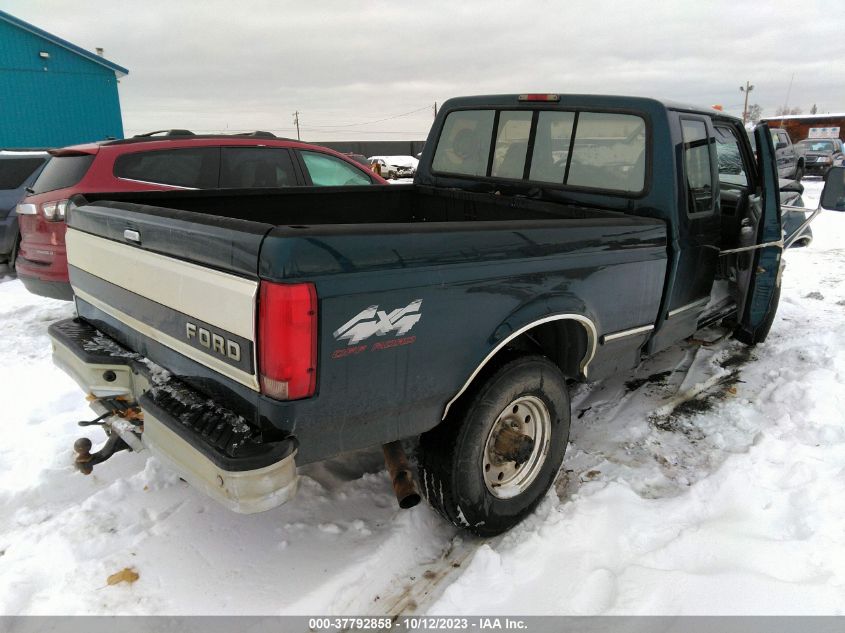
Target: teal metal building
(54, 93)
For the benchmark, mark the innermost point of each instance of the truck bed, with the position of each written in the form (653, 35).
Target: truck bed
(471, 259)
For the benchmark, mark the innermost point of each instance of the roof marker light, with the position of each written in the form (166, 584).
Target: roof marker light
(539, 97)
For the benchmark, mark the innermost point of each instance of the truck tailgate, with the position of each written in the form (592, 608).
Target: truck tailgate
(184, 280)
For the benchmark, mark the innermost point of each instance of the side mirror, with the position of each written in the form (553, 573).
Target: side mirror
(780, 145)
(833, 194)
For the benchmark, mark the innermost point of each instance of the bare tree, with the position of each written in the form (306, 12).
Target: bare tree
(814, 109)
(755, 112)
(782, 111)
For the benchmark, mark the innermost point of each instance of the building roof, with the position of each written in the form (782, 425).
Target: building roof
(120, 71)
(833, 115)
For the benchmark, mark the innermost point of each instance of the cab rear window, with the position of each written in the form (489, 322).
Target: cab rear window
(604, 151)
(62, 172)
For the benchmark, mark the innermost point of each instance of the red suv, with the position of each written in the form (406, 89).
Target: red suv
(176, 160)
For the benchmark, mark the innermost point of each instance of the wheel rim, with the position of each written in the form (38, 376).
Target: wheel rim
(516, 447)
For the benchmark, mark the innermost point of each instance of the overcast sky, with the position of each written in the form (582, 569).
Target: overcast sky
(348, 65)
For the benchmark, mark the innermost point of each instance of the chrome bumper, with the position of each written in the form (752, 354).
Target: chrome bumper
(245, 484)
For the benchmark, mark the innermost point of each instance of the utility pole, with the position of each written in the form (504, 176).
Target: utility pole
(746, 89)
(296, 120)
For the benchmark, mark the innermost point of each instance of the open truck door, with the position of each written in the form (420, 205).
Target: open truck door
(759, 259)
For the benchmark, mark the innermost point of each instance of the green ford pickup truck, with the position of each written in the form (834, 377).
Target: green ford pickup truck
(546, 239)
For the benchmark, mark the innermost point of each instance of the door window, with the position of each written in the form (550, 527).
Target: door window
(192, 168)
(697, 165)
(255, 167)
(328, 171)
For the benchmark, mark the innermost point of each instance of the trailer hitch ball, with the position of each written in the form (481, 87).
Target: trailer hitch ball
(82, 448)
(86, 460)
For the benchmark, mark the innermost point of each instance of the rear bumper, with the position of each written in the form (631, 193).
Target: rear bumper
(44, 288)
(212, 448)
(43, 268)
(816, 169)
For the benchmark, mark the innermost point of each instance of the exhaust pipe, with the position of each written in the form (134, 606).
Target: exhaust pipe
(400, 474)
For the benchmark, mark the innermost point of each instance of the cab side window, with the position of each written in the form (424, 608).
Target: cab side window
(697, 165)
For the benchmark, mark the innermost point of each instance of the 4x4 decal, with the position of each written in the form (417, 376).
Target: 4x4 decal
(372, 321)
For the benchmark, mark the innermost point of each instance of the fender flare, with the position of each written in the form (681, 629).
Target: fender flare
(586, 322)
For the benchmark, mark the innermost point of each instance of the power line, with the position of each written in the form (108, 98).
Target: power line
(389, 118)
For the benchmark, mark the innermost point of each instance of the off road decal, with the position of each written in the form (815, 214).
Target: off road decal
(372, 321)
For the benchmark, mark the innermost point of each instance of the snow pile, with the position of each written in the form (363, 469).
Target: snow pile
(730, 502)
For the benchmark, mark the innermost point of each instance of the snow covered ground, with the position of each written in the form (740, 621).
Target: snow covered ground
(729, 503)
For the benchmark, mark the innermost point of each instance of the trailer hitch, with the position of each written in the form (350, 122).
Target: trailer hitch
(86, 460)
(118, 412)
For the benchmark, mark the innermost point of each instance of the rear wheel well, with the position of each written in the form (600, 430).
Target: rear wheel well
(566, 342)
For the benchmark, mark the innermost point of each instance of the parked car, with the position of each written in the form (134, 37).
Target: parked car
(792, 217)
(406, 166)
(381, 167)
(820, 154)
(790, 163)
(298, 324)
(18, 170)
(398, 166)
(177, 160)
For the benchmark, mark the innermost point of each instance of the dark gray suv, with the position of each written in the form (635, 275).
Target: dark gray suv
(18, 170)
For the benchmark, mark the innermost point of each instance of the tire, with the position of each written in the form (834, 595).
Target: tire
(460, 461)
(13, 256)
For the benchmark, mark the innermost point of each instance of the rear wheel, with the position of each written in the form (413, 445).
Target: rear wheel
(489, 466)
(13, 256)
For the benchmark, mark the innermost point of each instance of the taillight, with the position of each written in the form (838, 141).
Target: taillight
(54, 211)
(287, 340)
